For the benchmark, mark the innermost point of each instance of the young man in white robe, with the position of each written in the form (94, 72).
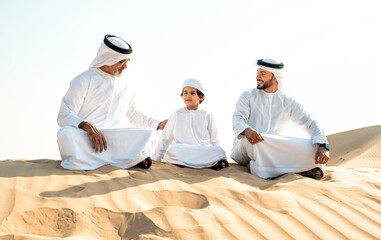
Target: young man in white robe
(98, 115)
(190, 135)
(262, 114)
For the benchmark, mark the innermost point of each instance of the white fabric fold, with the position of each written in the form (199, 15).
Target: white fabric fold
(190, 138)
(107, 57)
(272, 115)
(125, 148)
(107, 102)
(278, 155)
(193, 155)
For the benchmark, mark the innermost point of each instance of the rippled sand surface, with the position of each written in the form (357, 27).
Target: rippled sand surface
(40, 200)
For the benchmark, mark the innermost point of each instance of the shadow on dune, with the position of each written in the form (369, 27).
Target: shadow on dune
(341, 144)
(132, 177)
(43, 167)
(136, 177)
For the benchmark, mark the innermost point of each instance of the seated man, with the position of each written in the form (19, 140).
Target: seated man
(262, 114)
(95, 112)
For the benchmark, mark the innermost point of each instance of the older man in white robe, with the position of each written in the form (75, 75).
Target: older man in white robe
(262, 114)
(98, 116)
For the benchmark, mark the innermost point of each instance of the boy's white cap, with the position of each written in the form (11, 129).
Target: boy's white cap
(194, 83)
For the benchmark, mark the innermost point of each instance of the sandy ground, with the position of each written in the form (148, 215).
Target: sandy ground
(40, 200)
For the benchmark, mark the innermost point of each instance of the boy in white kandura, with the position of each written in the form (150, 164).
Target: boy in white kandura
(190, 135)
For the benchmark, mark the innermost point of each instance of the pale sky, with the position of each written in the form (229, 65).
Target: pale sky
(331, 51)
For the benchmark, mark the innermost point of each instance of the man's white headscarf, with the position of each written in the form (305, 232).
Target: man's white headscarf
(275, 67)
(112, 50)
(195, 84)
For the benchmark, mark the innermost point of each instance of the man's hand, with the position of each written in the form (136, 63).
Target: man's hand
(96, 137)
(253, 136)
(321, 156)
(162, 125)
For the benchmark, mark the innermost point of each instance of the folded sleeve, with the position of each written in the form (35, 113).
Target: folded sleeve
(241, 114)
(302, 119)
(212, 129)
(72, 102)
(137, 118)
(166, 139)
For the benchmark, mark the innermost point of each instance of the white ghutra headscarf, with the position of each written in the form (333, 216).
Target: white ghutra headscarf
(274, 67)
(112, 50)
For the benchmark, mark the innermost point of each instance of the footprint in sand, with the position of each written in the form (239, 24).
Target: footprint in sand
(52, 222)
(72, 191)
(172, 198)
(141, 175)
(96, 223)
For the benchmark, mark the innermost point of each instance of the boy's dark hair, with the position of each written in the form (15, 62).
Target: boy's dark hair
(199, 94)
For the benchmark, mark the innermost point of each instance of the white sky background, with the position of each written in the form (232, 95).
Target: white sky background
(331, 51)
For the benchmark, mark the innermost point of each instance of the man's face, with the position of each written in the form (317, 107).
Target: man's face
(118, 67)
(265, 79)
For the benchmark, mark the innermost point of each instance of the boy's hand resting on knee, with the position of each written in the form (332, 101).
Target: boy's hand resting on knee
(96, 137)
(253, 136)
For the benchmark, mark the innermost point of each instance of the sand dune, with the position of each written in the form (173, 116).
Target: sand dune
(40, 200)
(356, 148)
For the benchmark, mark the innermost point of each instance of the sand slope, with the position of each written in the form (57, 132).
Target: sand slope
(356, 148)
(40, 200)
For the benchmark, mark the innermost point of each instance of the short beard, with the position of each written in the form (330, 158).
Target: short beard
(265, 85)
(116, 73)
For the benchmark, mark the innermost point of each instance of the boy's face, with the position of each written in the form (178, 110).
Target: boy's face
(190, 98)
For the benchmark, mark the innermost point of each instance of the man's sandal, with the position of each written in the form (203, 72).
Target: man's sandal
(315, 173)
(144, 165)
(219, 166)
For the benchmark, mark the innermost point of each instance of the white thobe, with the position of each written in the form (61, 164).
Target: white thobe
(190, 139)
(270, 114)
(108, 103)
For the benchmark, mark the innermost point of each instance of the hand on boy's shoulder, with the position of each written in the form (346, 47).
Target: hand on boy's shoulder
(162, 124)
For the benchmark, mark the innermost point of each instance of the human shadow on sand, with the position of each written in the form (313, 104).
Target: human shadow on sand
(132, 177)
(44, 167)
(136, 177)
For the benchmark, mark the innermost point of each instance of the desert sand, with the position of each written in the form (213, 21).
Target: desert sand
(40, 200)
